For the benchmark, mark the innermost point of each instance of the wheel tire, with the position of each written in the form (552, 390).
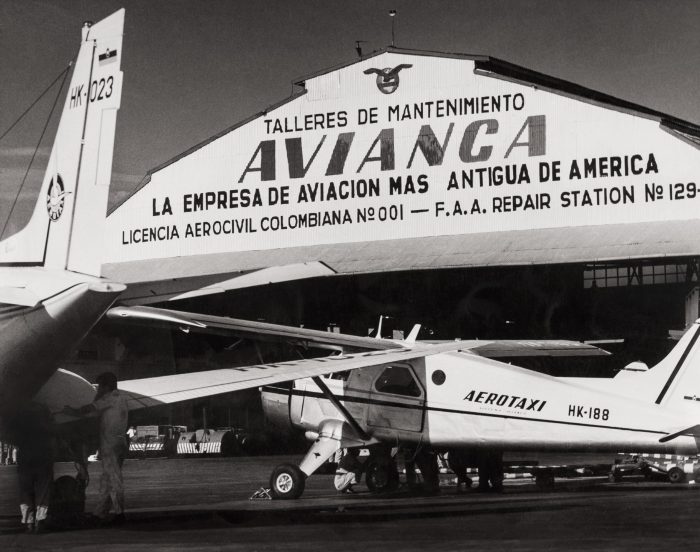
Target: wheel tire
(287, 482)
(381, 477)
(676, 475)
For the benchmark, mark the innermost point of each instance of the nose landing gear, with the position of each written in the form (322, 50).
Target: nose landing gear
(287, 481)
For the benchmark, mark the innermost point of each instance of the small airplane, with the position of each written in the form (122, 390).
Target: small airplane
(382, 393)
(51, 294)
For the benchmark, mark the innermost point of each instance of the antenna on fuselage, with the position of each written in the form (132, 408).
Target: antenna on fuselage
(378, 335)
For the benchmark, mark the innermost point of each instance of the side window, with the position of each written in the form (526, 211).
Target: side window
(398, 380)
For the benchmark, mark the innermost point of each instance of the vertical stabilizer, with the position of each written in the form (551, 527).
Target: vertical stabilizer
(65, 231)
(678, 375)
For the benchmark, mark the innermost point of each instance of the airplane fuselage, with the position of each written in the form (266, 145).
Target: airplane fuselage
(35, 339)
(50, 290)
(458, 400)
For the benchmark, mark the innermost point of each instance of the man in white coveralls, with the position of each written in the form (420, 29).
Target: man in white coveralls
(111, 406)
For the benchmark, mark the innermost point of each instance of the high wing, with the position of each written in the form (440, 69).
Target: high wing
(261, 331)
(508, 348)
(354, 352)
(68, 388)
(155, 391)
(222, 325)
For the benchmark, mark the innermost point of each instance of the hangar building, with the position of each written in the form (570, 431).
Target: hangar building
(475, 196)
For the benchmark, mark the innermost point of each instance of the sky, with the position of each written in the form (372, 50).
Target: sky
(193, 68)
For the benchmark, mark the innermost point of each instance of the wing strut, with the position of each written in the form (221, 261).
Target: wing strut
(361, 433)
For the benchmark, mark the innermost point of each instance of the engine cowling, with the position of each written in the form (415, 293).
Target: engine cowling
(275, 403)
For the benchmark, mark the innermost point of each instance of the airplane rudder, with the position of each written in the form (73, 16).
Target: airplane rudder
(683, 379)
(104, 97)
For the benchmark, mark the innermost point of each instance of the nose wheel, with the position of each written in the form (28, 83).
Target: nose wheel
(287, 481)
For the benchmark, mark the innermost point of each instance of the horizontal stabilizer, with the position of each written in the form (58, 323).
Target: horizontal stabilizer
(19, 296)
(186, 287)
(692, 431)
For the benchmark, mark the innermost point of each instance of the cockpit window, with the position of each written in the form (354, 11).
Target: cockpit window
(398, 380)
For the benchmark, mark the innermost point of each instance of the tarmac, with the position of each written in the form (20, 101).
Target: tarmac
(202, 504)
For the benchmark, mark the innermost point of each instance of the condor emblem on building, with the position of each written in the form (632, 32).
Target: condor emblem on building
(55, 198)
(388, 78)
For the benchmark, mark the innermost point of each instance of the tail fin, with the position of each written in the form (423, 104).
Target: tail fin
(66, 228)
(676, 379)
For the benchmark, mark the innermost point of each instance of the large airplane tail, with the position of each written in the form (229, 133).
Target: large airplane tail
(65, 230)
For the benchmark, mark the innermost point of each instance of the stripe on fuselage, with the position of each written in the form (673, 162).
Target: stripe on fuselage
(364, 400)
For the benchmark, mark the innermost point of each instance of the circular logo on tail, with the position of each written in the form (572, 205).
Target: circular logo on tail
(55, 198)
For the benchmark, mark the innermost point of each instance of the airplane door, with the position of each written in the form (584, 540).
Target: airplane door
(397, 399)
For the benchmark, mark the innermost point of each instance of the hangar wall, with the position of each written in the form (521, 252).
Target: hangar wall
(401, 147)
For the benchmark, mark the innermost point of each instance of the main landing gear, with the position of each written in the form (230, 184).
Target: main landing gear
(381, 475)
